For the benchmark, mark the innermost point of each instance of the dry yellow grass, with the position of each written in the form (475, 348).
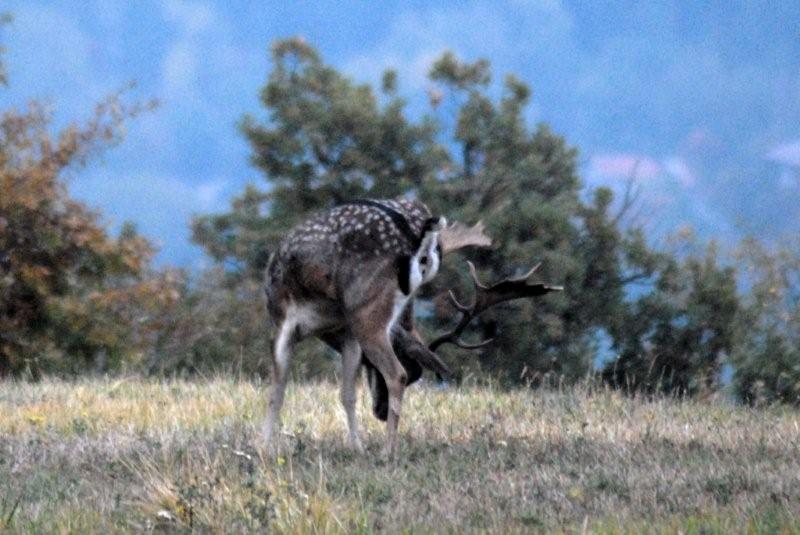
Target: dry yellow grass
(132, 455)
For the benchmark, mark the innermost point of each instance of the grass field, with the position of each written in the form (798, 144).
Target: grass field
(110, 456)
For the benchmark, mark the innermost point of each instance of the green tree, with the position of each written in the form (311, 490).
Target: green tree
(766, 359)
(524, 185)
(215, 327)
(5, 19)
(676, 336)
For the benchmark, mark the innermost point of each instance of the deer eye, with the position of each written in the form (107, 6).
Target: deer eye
(424, 260)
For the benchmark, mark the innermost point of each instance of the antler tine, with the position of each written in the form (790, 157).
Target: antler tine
(463, 345)
(529, 273)
(475, 280)
(456, 303)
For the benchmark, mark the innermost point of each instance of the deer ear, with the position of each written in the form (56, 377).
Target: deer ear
(403, 265)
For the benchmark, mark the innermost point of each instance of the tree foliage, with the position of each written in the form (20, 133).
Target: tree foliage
(523, 183)
(675, 337)
(5, 19)
(767, 358)
(71, 295)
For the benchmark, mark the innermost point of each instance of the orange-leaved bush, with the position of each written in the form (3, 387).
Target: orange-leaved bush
(72, 295)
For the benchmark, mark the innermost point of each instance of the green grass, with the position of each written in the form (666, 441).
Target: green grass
(112, 456)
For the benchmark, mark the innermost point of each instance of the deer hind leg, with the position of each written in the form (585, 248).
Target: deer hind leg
(377, 347)
(407, 354)
(281, 356)
(351, 364)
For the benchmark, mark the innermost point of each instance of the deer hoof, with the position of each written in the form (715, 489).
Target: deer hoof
(272, 442)
(387, 453)
(354, 443)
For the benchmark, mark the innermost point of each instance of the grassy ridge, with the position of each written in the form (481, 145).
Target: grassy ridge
(132, 455)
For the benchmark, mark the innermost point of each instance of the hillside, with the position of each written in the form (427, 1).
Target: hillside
(130, 455)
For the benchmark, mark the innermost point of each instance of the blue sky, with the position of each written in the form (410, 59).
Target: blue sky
(702, 99)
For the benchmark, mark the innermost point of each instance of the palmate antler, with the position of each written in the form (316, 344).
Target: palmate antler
(486, 297)
(458, 236)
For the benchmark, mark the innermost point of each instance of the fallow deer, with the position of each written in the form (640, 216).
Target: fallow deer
(349, 276)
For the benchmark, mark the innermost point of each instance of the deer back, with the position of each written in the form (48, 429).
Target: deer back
(342, 257)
